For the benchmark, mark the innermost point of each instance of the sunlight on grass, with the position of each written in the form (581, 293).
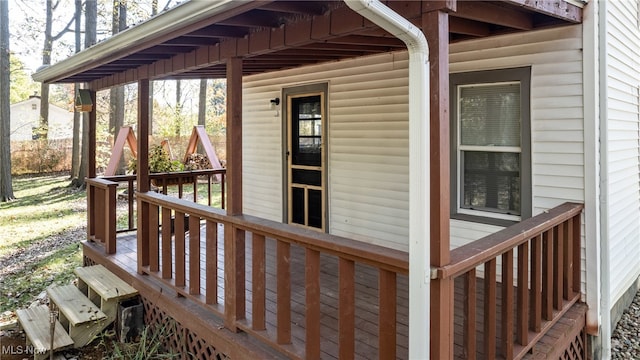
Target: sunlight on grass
(44, 206)
(56, 268)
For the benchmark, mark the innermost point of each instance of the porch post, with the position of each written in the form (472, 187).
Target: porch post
(91, 165)
(234, 247)
(435, 25)
(234, 136)
(142, 173)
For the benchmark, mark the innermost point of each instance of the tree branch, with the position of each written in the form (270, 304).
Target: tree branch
(65, 30)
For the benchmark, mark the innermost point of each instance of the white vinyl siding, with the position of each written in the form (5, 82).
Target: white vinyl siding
(368, 146)
(368, 133)
(557, 125)
(623, 79)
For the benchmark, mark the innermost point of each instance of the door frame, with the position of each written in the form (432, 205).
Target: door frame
(294, 91)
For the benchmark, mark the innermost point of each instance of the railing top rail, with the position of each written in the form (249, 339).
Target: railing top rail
(123, 178)
(100, 182)
(390, 259)
(119, 178)
(471, 255)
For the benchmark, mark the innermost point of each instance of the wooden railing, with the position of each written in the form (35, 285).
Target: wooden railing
(102, 198)
(539, 281)
(165, 256)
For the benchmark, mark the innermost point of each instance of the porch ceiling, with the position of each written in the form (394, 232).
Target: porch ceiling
(274, 35)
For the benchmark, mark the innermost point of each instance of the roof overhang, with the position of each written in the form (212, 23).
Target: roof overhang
(195, 39)
(162, 27)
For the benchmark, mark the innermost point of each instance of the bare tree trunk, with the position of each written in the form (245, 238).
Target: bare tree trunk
(6, 185)
(43, 129)
(91, 20)
(116, 96)
(178, 118)
(154, 11)
(75, 148)
(202, 108)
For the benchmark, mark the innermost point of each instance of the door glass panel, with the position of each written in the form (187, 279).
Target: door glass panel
(314, 217)
(306, 123)
(297, 206)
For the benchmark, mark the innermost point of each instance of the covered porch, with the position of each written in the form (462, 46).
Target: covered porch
(308, 294)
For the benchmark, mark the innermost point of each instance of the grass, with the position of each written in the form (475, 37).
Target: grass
(44, 207)
(43, 227)
(36, 229)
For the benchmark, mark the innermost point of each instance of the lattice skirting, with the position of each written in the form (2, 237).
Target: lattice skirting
(576, 350)
(87, 261)
(179, 339)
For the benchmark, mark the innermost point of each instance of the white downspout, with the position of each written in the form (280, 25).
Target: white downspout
(605, 277)
(419, 215)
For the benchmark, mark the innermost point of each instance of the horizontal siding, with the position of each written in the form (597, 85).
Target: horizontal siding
(368, 144)
(623, 79)
(368, 133)
(557, 125)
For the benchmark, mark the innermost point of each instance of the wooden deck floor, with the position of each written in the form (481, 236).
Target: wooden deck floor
(366, 303)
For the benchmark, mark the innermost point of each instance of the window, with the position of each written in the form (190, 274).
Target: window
(491, 146)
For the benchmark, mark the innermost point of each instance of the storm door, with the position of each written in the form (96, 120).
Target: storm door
(305, 160)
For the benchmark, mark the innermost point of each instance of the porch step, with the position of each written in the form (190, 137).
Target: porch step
(104, 289)
(35, 323)
(78, 315)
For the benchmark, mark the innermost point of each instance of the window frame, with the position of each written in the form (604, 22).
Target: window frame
(488, 77)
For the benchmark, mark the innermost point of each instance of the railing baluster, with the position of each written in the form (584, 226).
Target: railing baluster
(223, 180)
(558, 266)
(469, 324)
(212, 262)
(99, 215)
(523, 295)
(143, 235)
(577, 245)
(536, 283)
(507, 304)
(490, 309)
(567, 242)
(234, 276)
(346, 309)
(167, 255)
(154, 238)
(195, 188)
(312, 304)
(130, 195)
(110, 218)
(387, 314)
(209, 189)
(547, 275)
(258, 275)
(92, 210)
(283, 273)
(194, 255)
(178, 229)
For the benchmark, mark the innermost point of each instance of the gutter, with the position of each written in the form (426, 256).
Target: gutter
(605, 260)
(419, 228)
(124, 43)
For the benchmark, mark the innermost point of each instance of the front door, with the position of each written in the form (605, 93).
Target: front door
(305, 160)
